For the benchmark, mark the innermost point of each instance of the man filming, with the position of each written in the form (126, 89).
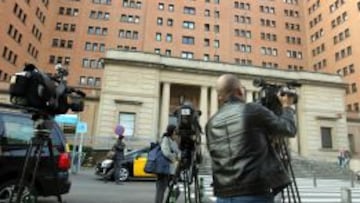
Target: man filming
(246, 169)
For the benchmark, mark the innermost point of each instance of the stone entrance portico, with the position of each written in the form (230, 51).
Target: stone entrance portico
(150, 87)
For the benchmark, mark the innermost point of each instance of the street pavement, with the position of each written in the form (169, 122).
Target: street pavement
(87, 188)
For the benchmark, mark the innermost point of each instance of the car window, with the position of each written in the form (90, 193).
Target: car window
(16, 129)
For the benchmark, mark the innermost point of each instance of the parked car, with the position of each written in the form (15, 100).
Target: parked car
(133, 166)
(16, 129)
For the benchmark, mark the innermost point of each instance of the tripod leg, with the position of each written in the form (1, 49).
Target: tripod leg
(18, 189)
(52, 158)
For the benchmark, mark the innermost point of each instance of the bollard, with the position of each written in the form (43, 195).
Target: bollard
(314, 179)
(201, 190)
(345, 195)
(352, 179)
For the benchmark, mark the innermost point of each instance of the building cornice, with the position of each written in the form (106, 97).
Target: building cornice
(149, 60)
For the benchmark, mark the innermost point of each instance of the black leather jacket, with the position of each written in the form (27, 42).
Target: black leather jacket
(243, 161)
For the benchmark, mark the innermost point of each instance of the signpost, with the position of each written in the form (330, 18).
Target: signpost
(81, 128)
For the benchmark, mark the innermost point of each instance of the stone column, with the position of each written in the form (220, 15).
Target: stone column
(165, 105)
(213, 101)
(249, 96)
(204, 106)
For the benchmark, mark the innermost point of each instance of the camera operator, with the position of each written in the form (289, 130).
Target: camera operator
(245, 167)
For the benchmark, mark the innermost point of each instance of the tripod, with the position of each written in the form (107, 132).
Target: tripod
(187, 172)
(37, 144)
(291, 192)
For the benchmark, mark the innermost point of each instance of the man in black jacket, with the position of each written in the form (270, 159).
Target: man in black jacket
(245, 167)
(119, 149)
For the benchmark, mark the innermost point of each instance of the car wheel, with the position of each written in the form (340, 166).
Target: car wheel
(7, 188)
(123, 174)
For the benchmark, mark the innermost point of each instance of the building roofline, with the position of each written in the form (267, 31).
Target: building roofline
(151, 60)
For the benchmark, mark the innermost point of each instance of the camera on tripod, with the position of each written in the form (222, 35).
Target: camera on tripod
(32, 88)
(189, 129)
(269, 93)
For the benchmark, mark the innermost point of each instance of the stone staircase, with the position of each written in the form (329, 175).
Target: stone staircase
(306, 168)
(302, 167)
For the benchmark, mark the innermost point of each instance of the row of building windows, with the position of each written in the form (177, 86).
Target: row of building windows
(315, 21)
(40, 15)
(347, 70)
(353, 107)
(320, 65)
(242, 19)
(293, 40)
(269, 51)
(96, 47)
(295, 2)
(68, 11)
(268, 36)
(343, 53)
(317, 35)
(245, 48)
(318, 50)
(131, 4)
(242, 5)
(125, 47)
(292, 26)
(99, 15)
(130, 19)
(294, 54)
(270, 64)
(170, 22)
(62, 43)
(14, 33)
(36, 32)
(351, 88)
(9, 55)
(314, 7)
(129, 34)
(341, 36)
(243, 61)
(33, 51)
(161, 6)
(90, 81)
(243, 33)
(103, 31)
(216, 13)
(339, 20)
(66, 27)
(65, 60)
(267, 9)
(334, 6)
(93, 63)
(105, 2)
(267, 22)
(291, 13)
(19, 12)
(295, 67)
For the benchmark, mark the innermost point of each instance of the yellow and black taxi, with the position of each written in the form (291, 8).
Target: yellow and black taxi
(132, 167)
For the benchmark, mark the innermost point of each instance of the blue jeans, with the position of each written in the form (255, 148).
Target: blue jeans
(246, 199)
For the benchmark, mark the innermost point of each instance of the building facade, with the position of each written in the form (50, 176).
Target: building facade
(140, 91)
(312, 35)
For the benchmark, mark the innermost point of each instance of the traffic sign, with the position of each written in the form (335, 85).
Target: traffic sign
(67, 119)
(81, 127)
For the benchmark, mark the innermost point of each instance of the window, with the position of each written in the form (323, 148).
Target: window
(326, 139)
(127, 119)
(189, 25)
(169, 37)
(158, 37)
(189, 10)
(161, 6)
(187, 55)
(168, 52)
(170, 22)
(216, 43)
(188, 40)
(17, 129)
(171, 8)
(159, 21)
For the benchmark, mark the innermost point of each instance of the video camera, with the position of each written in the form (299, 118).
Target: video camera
(189, 129)
(32, 89)
(269, 91)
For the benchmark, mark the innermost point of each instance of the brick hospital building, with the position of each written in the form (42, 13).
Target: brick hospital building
(290, 35)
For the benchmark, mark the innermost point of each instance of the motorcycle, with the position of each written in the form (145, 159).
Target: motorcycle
(105, 169)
